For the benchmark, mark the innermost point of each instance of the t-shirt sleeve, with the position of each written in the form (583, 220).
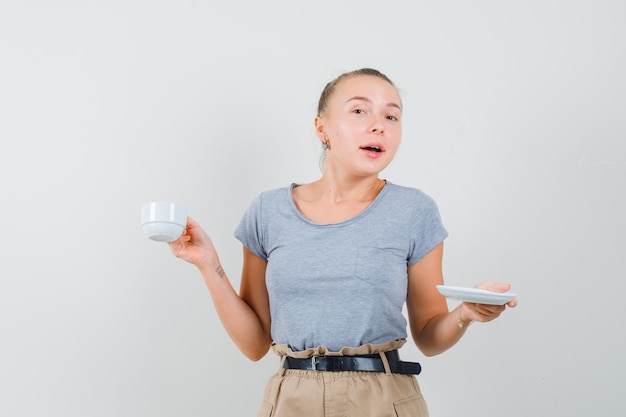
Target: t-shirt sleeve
(428, 230)
(249, 231)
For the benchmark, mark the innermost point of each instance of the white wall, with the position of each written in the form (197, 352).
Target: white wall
(514, 122)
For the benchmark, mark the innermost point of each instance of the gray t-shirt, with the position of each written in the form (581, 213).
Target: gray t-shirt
(342, 284)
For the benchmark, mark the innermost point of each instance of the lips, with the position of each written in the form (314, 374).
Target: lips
(373, 147)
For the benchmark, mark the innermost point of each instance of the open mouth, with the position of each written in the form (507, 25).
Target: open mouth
(372, 148)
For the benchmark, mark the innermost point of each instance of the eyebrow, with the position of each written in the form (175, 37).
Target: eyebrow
(390, 104)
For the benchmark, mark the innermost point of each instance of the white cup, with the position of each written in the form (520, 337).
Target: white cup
(163, 221)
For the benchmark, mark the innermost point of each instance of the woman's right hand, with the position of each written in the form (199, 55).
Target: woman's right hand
(194, 245)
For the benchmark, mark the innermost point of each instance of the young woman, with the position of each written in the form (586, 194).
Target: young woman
(328, 267)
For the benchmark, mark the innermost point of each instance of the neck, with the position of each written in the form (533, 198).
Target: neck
(343, 190)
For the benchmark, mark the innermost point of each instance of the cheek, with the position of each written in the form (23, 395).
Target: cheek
(344, 132)
(393, 144)
(395, 136)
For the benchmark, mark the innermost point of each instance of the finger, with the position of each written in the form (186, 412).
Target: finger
(191, 223)
(502, 287)
(494, 286)
(177, 245)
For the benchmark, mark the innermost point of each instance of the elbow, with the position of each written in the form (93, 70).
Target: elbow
(429, 353)
(254, 357)
(255, 353)
(427, 349)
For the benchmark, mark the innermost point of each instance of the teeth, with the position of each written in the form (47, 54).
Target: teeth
(374, 148)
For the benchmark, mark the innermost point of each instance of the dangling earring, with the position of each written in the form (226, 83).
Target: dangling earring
(326, 145)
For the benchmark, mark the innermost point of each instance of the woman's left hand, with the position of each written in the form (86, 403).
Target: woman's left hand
(486, 312)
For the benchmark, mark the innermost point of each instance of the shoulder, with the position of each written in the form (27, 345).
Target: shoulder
(271, 199)
(274, 193)
(409, 195)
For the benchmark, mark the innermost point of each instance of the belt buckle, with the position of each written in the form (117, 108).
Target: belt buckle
(314, 363)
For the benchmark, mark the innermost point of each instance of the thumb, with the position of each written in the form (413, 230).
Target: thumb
(502, 287)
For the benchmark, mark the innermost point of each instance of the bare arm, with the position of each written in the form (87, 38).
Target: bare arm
(245, 317)
(433, 327)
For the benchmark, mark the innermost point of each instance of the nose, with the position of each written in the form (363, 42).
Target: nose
(377, 127)
(378, 123)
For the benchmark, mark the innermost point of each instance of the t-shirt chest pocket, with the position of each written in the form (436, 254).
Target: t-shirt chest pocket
(379, 266)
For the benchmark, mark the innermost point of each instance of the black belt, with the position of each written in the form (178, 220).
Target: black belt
(368, 363)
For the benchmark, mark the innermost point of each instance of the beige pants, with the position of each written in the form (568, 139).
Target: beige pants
(297, 393)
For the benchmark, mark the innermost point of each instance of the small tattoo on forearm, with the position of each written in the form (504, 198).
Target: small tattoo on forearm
(220, 271)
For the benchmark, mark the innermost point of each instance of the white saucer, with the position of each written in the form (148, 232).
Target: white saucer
(475, 295)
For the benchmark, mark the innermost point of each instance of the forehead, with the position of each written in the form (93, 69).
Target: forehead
(368, 86)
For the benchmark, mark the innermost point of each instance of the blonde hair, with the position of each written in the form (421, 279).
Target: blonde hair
(329, 89)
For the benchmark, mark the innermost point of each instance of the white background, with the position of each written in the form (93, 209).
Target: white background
(514, 122)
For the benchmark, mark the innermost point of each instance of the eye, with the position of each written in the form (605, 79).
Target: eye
(358, 111)
(392, 118)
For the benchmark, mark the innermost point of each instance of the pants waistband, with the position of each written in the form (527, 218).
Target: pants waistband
(367, 363)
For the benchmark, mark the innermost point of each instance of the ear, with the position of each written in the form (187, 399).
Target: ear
(320, 129)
